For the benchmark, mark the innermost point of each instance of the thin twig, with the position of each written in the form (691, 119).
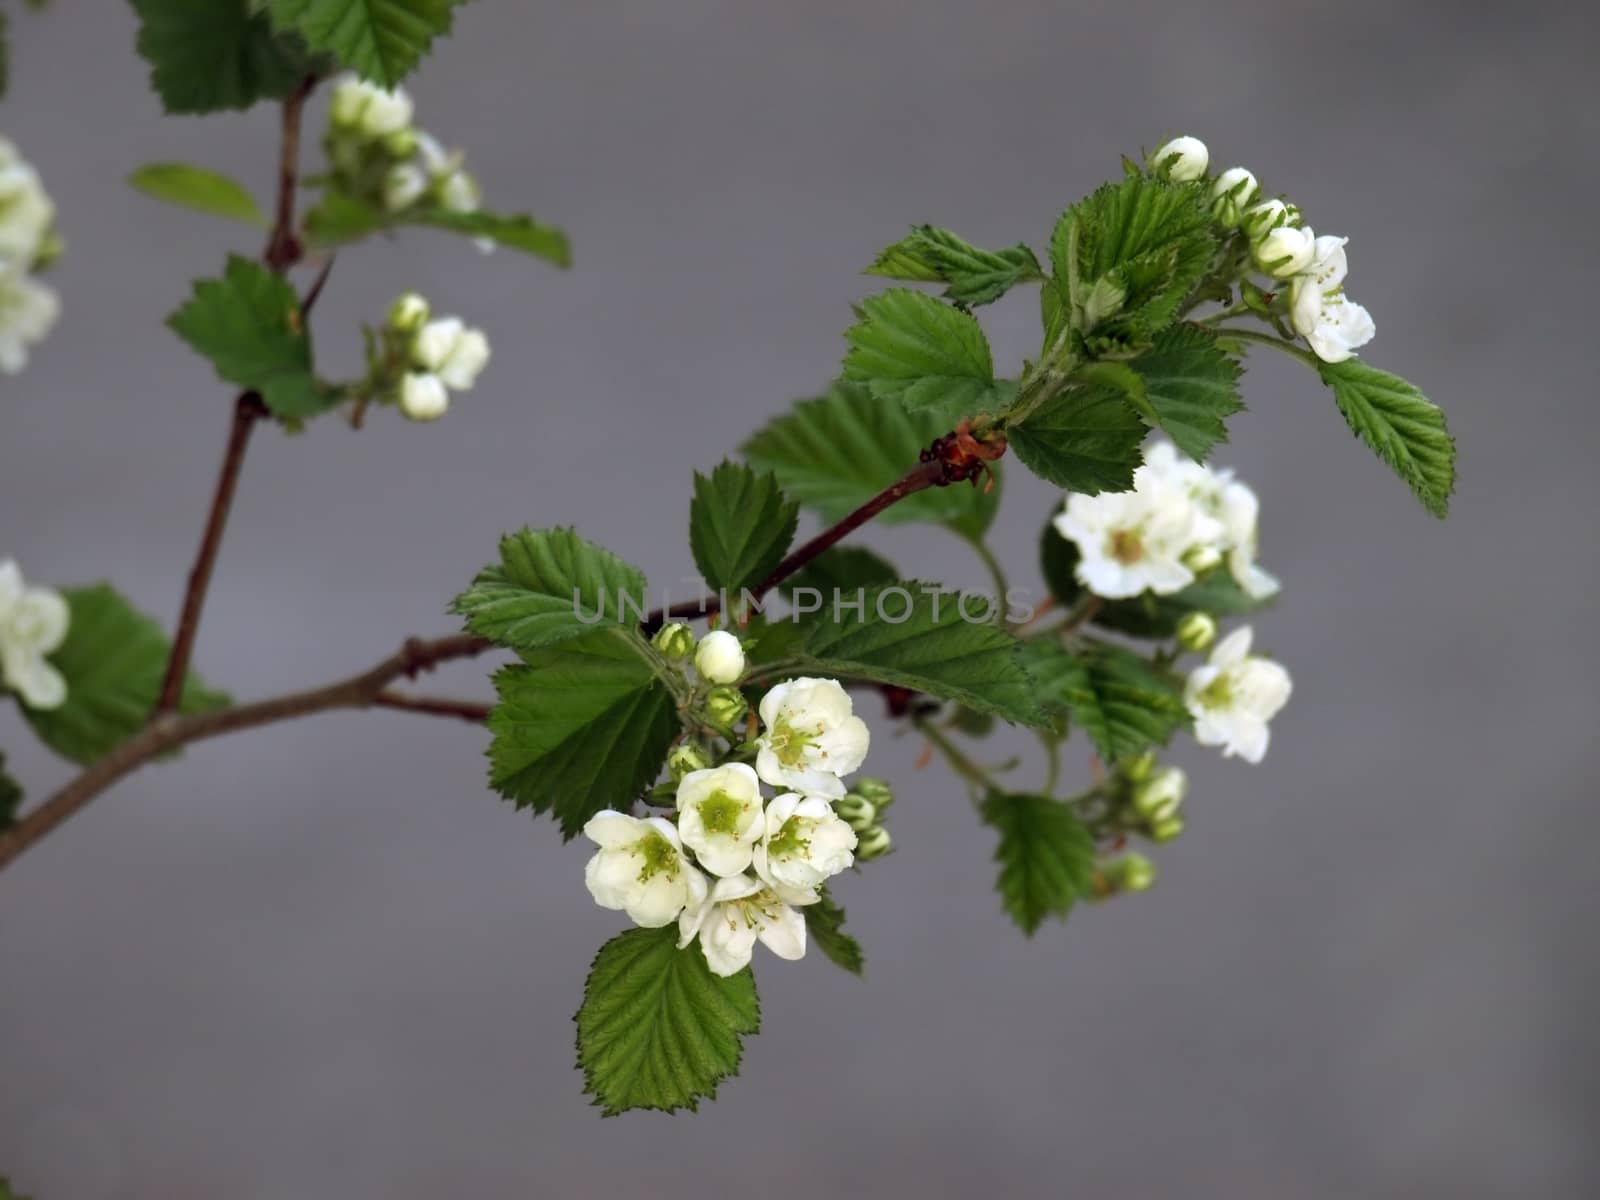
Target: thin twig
(283, 247)
(171, 730)
(475, 711)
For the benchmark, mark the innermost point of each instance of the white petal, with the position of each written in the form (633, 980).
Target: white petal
(721, 855)
(1233, 648)
(659, 901)
(727, 939)
(612, 829)
(1249, 741)
(785, 935)
(41, 618)
(38, 683)
(844, 748)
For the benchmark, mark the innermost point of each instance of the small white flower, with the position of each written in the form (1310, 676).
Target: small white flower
(1233, 192)
(1181, 159)
(1240, 513)
(640, 869)
(1233, 697)
(423, 396)
(403, 186)
(1285, 251)
(458, 192)
(812, 737)
(1330, 321)
(369, 109)
(452, 351)
(1231, 511)
(805, 842)
(719, 657)
(1130, 542)
(26, 210)
(719, 816)
(33, 624)
(28, 311)
(736, 914)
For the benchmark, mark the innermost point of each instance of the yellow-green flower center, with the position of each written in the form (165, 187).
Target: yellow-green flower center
(1126, 546)
(720, 813)
(789, 743)
(1218, 693)
(659, 857)
(790, 839)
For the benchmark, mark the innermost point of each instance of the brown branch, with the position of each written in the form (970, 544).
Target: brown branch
(171, 730)
(475, 711)
(283, 248)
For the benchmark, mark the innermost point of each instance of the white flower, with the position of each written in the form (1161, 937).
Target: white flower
(33, 623)
(26, 210)
(719, 657)
(452, 351)
(734, 916)
(403, 186)
(805, 842)
(459, 192)
(1240, 513)
(423, 396)
(369, 109)
(1344, 326)
(28, 311)
(640, 869)
(1233, 697)
(1181, 159)
(812, 737)
(1130, 542)
(719, 816)
(1233, 192)
(1231, 511)
(1329, 320)
(1285, 251)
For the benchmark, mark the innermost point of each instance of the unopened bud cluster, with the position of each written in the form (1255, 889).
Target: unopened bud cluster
(863, 808)
(418, 360)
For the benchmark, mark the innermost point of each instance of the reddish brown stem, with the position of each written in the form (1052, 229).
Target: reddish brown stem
(475, 711)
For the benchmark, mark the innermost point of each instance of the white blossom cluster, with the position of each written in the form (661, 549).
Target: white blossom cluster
(33, 624)
(733, 867)
(1182, 520)
(438, 356)
(1333, 325)
(28, 308)
(380, 154)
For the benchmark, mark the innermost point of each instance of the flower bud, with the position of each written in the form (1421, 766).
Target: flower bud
(403, 186)
(456, 353)
(1258, 219)
(1181, 159)
(1196, 631)
(423, 396)
(726, 706)
(856, 811)
(685, 758)
(1138, 769)
(1202, 558)
(674, 640)
(1285, 251)
(368, 109)
(408, 313)
(1162, 832)
(873, 843)
(719, 657)
(1131, 873)
(1158, 797)
(876, 790)
(1233, 192)
(402, 143)
(458, 192)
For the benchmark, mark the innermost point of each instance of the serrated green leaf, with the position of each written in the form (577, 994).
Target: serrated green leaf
(1150, 240)
(581, 726)
(1405, 429)
(915, 635)
(339, 219)
(10, 796)
(113, 660)
(1111, 693)
(1046, 857)
(933, 255)
(657, 1029)
(740, 525)
(550, 585)
(381, 40)
(199, 189)
(207, 55)
(842, 569)
(837, 451)
(1086, 438)
(825, 929)
(248, 324)
(909, 347)
(1192, 386)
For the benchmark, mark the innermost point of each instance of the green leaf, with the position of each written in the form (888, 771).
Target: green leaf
(842, 569)
(909, 347)
(914, 635)
(1129, 255)
(10, 796)
(207, 55)
(657, 1029)
(837, 451)
(740, 525)
(1192, 386)
(197, 188)
(1113, 694)
(825, 928)
(248, 324)
(582, 726)
(1046, 857)
(381, 40)
(933, 255)
(1398, 421)
(550, 585)
(1086, 439)
(339, 219)
(113, 660)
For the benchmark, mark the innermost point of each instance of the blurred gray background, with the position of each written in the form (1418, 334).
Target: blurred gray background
(323, 960)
